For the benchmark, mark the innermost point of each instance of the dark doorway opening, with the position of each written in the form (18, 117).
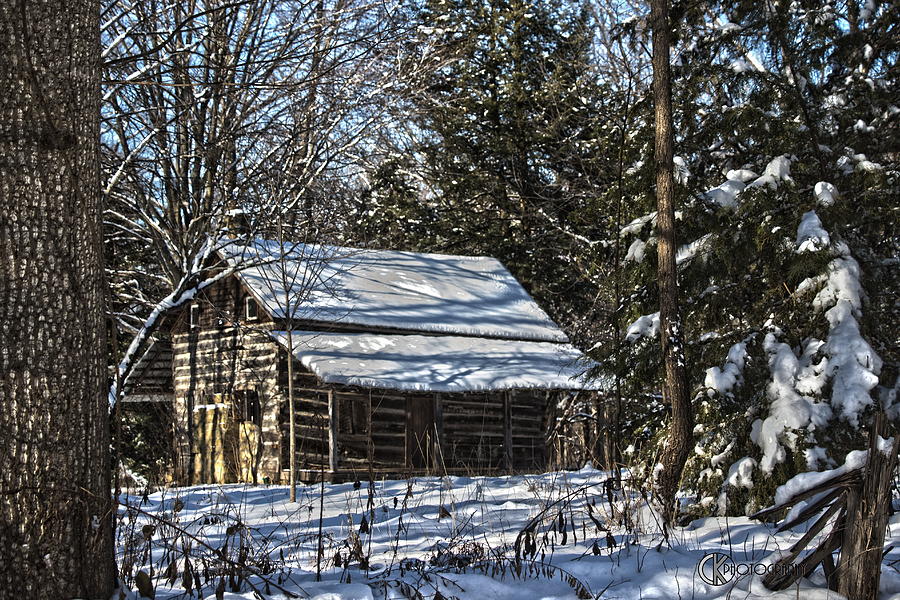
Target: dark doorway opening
(421, 433)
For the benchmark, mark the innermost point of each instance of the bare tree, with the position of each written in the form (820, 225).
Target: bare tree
(296, 272)
(208, 102)
(675, 390)
(620, 50)
(293, 269)
(55, 502)
(288, 304)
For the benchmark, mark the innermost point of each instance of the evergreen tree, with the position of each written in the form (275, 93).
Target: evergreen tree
(784, 117)
(510, 156)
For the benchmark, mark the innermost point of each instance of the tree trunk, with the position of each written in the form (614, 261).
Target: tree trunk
(55, 503)
(859, 570)
(292, 417)
(675, 391)
(290, 304)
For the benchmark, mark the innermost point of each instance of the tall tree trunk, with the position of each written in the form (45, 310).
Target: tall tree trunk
(290, 302)
(675, 390)
(614, 408)
(55, 501)
(292, 416)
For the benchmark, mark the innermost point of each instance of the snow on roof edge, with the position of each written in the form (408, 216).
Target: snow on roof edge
(481, 364)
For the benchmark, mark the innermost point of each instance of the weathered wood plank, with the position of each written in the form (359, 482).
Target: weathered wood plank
(507, 432)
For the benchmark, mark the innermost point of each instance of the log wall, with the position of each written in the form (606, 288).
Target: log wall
(471, 431)
(340, 429)
(216, 360)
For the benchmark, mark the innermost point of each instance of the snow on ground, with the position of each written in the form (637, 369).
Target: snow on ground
(450, 537)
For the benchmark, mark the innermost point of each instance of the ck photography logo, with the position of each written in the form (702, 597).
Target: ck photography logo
(716, 568)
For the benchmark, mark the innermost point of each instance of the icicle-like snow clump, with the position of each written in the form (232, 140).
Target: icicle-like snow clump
(722, 381)
(645, 326)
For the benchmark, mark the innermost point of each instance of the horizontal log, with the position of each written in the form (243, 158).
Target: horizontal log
(189, 350)
(388, 412)
(472, 407)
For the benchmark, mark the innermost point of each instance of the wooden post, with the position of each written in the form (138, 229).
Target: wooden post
(859, 570)
(370, 446)
(507, 431)
(408, 437)
(332, 432)
(437, 444)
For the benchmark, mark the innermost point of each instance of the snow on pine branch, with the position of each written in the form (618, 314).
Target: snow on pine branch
(685, 253)
(643, 326)
(740, 475)
(845, 359)
(852, 363)
(688, 251)
(736, 181)
(811, 237)
(725, 195)
(723, 381)
(789, 410)
(637, 249)
(637, 224)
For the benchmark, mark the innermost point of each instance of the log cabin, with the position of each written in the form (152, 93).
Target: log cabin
(398, 363)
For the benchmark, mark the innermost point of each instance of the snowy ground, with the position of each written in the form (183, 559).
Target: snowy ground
(434, 538)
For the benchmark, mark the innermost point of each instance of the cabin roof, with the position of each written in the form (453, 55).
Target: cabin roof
(438, 363)
(429, 293)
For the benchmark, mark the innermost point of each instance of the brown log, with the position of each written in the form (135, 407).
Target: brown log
(815, 507)
(333, 451)
(507, 433)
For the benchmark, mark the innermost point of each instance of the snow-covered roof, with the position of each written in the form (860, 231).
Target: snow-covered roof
(438, 363)
(437, 293)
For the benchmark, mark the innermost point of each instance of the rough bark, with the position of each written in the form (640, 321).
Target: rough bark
(868, 509)
(55, 501)
(861, 499)
(675, 390)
